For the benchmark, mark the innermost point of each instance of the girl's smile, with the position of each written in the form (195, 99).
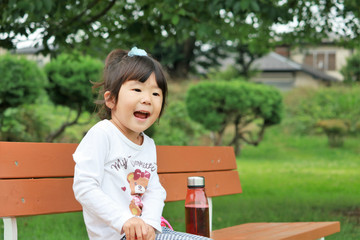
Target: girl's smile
(142, 114)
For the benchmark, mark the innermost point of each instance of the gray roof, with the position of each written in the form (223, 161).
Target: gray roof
(30, 50)
(274, 62)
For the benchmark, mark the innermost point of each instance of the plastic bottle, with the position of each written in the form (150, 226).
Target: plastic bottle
(197, 208)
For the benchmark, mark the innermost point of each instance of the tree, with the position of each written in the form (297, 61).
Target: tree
(173, 31)
(351, 71)
(58, 23)
(217, 105)
(244, 28)
(179, 33)
(27, 123)
(313, 21)
(21, 82)
(175, 127)
(70, 78)
(335, 130)
(222, 26)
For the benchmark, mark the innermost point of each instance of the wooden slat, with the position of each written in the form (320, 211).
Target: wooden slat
(216, 184)
(35, 160)
(278, 231)
(48, 160)
(194, 158)
(22, 197)
(25, 159)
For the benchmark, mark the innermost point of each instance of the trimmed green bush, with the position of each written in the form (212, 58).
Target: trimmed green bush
(70, 84)
(335, 130)
(70, 78)
(27, 123)
(175, 127)
(217, 105)
(21, 81)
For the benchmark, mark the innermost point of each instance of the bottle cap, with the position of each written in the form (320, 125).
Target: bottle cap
(196, 181)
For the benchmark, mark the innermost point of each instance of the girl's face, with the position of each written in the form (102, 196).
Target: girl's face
(138, 106)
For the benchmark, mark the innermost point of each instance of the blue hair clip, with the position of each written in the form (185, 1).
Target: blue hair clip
(137, 52)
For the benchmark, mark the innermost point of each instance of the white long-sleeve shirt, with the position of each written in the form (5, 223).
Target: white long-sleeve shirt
(108, 168)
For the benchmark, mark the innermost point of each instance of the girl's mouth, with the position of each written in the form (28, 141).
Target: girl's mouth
(141, 114)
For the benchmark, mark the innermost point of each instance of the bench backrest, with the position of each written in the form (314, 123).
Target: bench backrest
(36, 178)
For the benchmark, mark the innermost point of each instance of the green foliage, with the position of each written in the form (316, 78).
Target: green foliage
(335, 130)
(34, 122)
(70, 78)
(70, 84)
(174, 31)
(28, 123)
(21, 82)
(26, 112)
(230, 73)
(60, 21)
(216, 105)
(176, 128)
(351, 71)
(307, 107)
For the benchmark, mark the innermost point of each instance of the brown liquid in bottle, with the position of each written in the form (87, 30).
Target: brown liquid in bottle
(192, 215)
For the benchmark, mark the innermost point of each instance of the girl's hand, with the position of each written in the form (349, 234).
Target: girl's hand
(151, 232)
(136, 228)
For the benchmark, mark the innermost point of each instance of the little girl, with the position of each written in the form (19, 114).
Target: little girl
(115, 178)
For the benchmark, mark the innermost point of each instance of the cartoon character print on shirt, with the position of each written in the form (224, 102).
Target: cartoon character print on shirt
(138, 181)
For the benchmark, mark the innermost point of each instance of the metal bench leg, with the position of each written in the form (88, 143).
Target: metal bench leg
(10, 228)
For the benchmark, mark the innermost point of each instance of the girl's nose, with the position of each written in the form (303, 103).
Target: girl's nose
(146, 99)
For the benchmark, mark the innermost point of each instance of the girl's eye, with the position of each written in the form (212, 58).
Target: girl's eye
(137, 90)
(156, 94)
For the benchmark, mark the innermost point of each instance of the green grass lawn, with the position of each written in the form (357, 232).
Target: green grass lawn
(285, 178)
(289, 178)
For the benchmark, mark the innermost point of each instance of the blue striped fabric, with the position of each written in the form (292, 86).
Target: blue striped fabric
(168, 234)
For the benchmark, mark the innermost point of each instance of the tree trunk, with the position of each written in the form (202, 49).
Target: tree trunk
(245, 59)
(237, 137)
(182, 66)
(51, 137)
(218, 138)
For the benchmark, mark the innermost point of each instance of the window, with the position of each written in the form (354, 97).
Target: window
(324, 61)
(332, 61)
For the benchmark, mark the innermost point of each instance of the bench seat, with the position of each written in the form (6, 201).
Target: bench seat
(36, 178)
(278, 231)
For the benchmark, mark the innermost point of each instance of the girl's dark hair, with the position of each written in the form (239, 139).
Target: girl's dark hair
(119, 68)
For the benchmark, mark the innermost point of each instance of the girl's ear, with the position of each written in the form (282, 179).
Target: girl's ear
(109, 100)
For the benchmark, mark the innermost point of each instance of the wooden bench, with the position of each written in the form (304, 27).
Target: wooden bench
(36, 178)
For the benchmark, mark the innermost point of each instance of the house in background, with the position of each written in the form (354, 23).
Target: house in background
(305, 66)
(29, 53)
(285, 74)
(326, 57)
